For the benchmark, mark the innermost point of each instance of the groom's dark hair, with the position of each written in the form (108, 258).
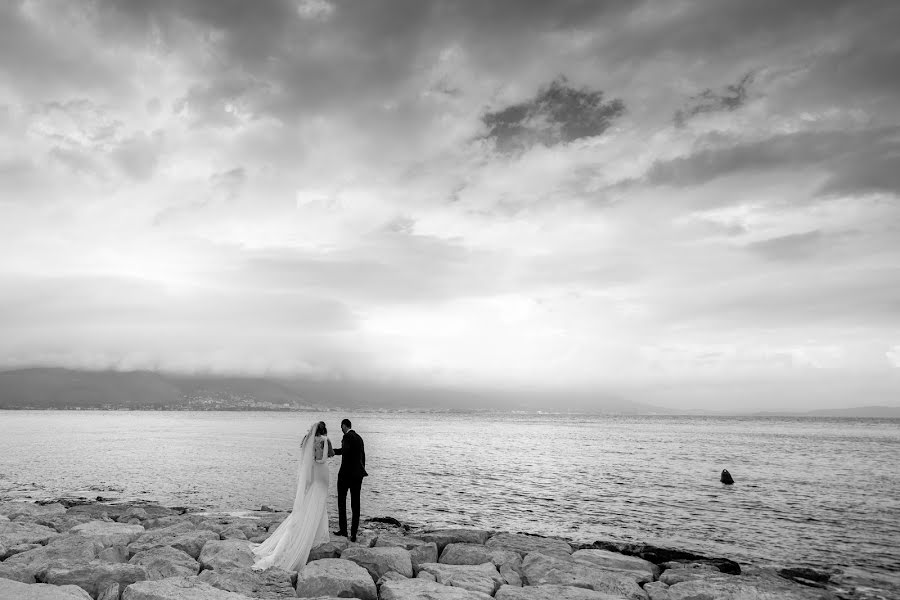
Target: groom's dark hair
(347, 423)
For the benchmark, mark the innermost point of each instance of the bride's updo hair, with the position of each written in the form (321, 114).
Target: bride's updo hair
(321, 429)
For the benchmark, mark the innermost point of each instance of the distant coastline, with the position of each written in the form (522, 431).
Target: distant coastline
(75, 390)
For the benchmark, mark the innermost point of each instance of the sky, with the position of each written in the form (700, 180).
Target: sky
(688, 203)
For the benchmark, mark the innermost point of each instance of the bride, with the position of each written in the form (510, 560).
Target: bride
(288, 547)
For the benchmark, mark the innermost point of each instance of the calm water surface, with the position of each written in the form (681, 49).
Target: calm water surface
(818, 492)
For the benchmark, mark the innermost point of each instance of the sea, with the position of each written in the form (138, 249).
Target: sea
(816, 492)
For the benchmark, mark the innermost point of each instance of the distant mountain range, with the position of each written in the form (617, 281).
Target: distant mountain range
(61, 389)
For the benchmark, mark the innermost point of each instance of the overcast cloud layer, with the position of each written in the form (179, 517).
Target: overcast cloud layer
(692, 203)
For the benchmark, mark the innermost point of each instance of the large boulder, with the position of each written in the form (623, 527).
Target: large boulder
(114, 554)
(109, 533)
(442, 537)
(13, 533)
(523, 544)
(100, 512)
(696, 584)
(420, 551)
(542, 569)
(61, 552)
(550, 592)
(177, 588)
(659, 555)
(15, 590)
(335, 577)
(331, 549)
(16, 573)
(18, 549)
(221, 555)
(271, 583)
(94, 577)
(657, 590)
(64, 522)
(482, 578)
(422, 589)
(378, 561)
(163, 562)
(643, 571)
(179, 536)
(477, 554)
(28, 511)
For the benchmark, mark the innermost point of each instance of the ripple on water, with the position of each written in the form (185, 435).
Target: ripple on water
(819, 492)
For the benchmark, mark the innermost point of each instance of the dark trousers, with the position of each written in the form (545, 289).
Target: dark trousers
(353, 486)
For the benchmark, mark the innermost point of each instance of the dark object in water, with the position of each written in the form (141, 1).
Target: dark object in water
(385, 520)
(726, 477)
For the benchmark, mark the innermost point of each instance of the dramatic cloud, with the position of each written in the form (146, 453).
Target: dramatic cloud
(456, 193)
(557, 114)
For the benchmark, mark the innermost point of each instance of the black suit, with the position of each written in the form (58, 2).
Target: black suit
(350, 477)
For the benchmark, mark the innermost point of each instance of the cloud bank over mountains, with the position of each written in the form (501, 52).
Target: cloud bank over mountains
(661, 199)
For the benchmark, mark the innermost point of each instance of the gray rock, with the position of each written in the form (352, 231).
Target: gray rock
(482, 578)
(477, 554)
(420, 551)
(427, 576)
(271, 583)
(442, 537)
(233, 533)
(178, 536)
(644, 571)
(114, 554)
(16, 573)
(422, 589)
(169, 521)
(389, 576)
(698, 584)
(100, 511)
(13, 533)
(135, 512)
(511, 575)
(18, 549)
(109, 533)
(163, 562)
(378, 561)
(94, 577)
(15, 590)
(543, 569)
(65, 551)
(64, 522)
(111, 592)
(177, 588)
(551, 592)
(335, 577)
(330, 549)
(523, 544)
(657, 590)
(28, 511)
(221, 555)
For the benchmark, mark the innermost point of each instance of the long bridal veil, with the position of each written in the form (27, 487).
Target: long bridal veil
(289, 545)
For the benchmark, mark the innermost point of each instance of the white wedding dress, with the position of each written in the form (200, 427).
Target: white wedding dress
(307, 526)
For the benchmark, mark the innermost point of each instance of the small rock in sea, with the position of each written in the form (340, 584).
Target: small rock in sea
(726, 477)
(386, 521)
(265, 508)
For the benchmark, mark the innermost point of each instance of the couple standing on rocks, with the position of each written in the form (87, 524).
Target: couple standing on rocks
(288, 547)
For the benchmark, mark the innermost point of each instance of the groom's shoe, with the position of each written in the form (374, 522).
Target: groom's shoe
(340, 533)
(352, 538)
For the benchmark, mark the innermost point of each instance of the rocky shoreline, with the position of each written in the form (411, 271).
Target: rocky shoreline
(140, 551)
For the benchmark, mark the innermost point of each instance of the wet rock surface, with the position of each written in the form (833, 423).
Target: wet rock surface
(140, 551)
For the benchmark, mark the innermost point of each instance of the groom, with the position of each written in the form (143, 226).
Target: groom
(350, 476)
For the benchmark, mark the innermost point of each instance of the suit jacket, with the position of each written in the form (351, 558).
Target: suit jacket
(353, 457)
